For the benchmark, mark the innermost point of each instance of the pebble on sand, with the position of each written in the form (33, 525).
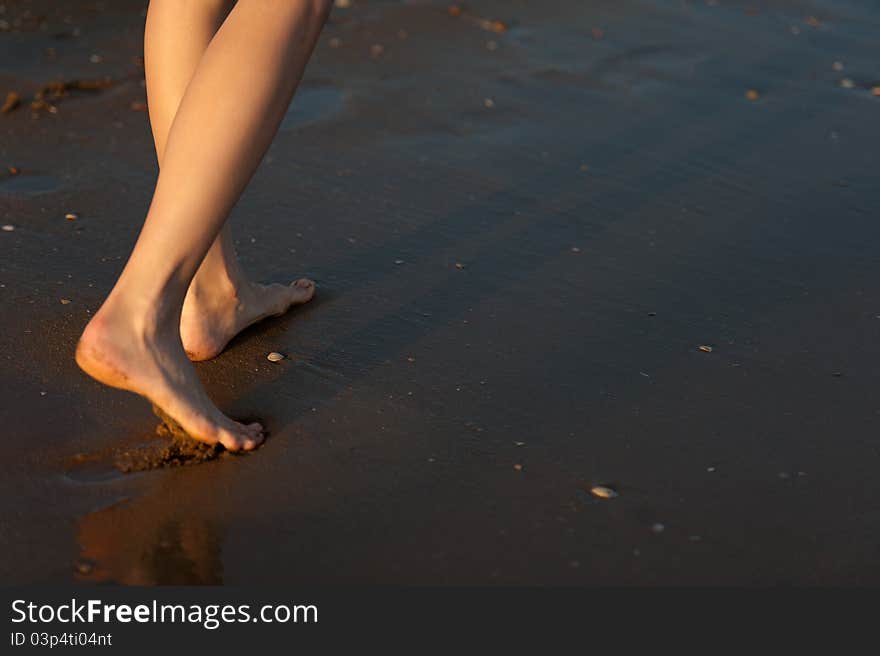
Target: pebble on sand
(65, 301)
(752, 94)
(84, 567)
(488, 103)
(518, 467)
(603, 492)
(12, 101)
(275, 356)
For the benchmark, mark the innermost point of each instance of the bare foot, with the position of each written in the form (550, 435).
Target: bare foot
(116, 352)
(215, 313)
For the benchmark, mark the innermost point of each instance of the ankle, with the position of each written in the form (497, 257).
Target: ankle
(211, 287)
(136, 317)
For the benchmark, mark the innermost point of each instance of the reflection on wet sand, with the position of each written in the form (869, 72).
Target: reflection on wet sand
(139, 543)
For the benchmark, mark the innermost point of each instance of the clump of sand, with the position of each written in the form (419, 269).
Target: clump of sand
(176, 449)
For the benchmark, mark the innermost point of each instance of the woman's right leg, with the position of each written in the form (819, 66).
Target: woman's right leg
(227, 118)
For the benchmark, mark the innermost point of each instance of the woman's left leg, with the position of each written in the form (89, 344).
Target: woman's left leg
(221, 300)
(215, 144)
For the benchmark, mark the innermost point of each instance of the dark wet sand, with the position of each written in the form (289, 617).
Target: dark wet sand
(620, 204)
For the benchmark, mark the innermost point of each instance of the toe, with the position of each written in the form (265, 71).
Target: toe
(301, 291)
(251, 443)
(232, 441)
(255, 429)
(255, 436)
(240, 437)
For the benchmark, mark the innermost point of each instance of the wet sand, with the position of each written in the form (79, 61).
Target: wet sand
(522, 234)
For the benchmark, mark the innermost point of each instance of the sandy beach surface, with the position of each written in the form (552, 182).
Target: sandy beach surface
(524, 219)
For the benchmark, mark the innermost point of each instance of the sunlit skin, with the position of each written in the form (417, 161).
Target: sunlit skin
(182, 294)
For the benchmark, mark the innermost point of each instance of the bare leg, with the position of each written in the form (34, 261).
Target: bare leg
(214, 145)
(221, 301)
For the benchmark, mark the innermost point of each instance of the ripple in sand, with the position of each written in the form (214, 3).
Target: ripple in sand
(91, 468)
(312, 105)
(25, 184)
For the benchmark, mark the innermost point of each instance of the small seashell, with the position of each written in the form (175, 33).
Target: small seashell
(7, 228)
(837, 66)
(459, 266)
(876, 91)
(84, 566)
(398, 261)
(847, 83)
(705, 349)
(752, 94)
(657, 527)
(275, 356)
(518, 467)
(488, 103)
(603, 492)
(71, 216)
(376, 50)
(65, 301)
